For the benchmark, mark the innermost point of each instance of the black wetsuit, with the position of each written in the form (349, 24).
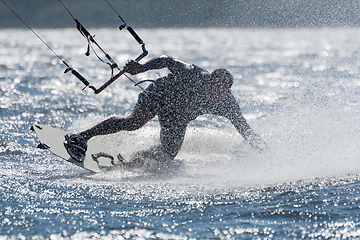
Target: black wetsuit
(183, 95)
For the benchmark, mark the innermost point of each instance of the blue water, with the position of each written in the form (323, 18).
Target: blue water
(298, 88)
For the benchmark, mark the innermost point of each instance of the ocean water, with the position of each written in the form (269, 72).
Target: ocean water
(298, 88)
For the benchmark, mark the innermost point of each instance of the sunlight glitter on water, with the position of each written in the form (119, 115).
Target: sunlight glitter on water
(297, 88)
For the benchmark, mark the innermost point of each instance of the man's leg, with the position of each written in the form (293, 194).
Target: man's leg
(171, 141)
(172, 138)
(171, 145)
(138, 118)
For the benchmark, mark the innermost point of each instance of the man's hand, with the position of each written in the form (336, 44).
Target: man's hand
(133, 67)
(256, 142)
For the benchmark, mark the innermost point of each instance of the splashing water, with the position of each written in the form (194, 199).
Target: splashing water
(297, 88)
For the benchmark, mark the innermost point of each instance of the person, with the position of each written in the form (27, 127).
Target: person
(187, 92)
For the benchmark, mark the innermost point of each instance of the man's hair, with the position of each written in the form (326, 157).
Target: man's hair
(220, 75)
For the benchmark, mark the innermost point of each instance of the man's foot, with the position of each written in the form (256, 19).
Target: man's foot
(76, 146)
(138, 162)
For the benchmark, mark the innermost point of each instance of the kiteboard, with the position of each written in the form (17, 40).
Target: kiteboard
(99, 156)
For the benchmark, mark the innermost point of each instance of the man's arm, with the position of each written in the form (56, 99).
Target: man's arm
(229, 108)
(173, 65)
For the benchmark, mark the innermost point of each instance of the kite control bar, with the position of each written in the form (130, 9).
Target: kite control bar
(141, 56)
(100, 89)
(90, 38)
(112, 63)
(111, 80)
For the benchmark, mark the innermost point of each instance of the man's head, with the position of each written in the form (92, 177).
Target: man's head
(220, 83)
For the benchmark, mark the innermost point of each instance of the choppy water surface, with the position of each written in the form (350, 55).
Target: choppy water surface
(298, 88)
